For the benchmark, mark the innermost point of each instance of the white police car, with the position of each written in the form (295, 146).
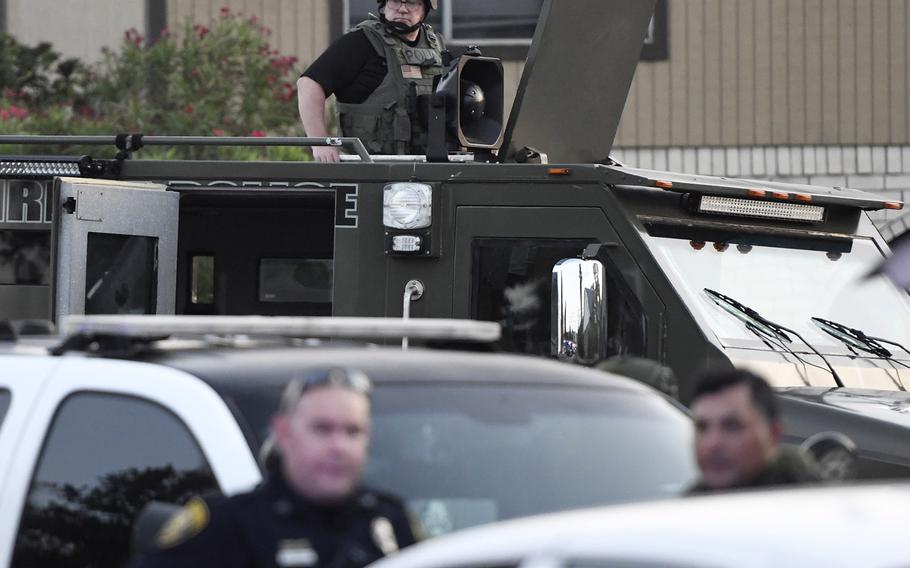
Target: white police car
(119, 416)
(801, 527)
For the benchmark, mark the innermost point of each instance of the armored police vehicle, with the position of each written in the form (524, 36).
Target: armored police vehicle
(531, 225)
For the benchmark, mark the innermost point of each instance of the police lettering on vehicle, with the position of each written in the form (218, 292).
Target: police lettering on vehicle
(346, 194)
(25, 201)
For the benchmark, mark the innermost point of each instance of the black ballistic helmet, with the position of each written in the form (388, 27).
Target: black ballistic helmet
(398, 27)
(428, 4)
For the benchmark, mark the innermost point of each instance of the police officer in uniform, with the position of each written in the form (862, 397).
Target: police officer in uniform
(376, 73)
(311, 510)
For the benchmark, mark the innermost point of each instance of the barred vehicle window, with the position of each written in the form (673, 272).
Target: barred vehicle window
(104, 458)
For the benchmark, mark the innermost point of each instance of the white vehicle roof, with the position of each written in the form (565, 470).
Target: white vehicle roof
(829, 526)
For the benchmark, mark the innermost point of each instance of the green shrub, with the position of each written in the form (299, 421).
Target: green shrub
(222, 80)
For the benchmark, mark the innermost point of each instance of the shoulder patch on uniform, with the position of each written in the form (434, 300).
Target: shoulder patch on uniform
(184, 525)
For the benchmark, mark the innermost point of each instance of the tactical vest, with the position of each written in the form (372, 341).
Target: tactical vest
(388, 121)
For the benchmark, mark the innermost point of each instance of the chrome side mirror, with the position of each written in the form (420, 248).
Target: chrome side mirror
(579, 311)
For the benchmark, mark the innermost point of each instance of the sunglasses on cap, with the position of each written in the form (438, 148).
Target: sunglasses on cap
(344, 377)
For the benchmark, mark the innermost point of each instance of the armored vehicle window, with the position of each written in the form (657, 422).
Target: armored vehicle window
(25, 257)
(121, 274)
(825, 282)
(104, 458)
(511, 285)
(203, 280)
(4, 404)
(296, 280)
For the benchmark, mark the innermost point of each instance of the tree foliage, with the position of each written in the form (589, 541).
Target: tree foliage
(91, 527)
(224, 79)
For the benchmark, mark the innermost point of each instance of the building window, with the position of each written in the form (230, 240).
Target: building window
(504, 23)
(656, 46)
(469, 22)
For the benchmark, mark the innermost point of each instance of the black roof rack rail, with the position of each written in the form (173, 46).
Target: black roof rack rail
(132, 142)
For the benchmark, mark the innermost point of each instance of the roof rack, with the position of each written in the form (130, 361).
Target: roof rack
(157, 326)
(128, 143)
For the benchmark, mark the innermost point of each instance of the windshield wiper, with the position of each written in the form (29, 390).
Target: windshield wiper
(856, 339)
(754, 320)
(853, 337)
(862, 337)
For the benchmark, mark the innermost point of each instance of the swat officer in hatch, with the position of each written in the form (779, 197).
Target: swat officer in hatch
(376, 73)
(310, 511)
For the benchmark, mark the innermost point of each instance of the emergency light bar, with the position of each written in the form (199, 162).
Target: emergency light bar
(757, 208)
(150, 327)
(40, 167)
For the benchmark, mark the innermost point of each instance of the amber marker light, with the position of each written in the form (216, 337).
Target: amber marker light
(895, 205)
(804, 197)
(664, 184)
(756, 193)
(780, 195)
(559, 171)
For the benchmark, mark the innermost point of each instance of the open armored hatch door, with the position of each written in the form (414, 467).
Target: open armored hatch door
(575, 82)
(115, 247)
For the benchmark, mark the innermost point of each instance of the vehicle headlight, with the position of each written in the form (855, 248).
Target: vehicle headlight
(407, 205)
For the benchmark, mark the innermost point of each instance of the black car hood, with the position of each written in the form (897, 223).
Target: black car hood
(877, 421)
(889, 406)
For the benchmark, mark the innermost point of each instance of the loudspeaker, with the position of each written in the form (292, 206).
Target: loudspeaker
(473, 94)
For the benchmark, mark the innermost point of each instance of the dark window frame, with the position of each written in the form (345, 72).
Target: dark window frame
(657, 45)
(657, 49)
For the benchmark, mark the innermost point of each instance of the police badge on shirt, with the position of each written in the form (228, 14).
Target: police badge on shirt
(296, 552)
(384, 535)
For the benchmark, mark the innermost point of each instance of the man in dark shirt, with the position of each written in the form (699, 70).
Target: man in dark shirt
(738, 433)
(375, 72)
(311, 510)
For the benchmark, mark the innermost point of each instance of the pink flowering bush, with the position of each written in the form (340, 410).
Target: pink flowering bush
(222, 79)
